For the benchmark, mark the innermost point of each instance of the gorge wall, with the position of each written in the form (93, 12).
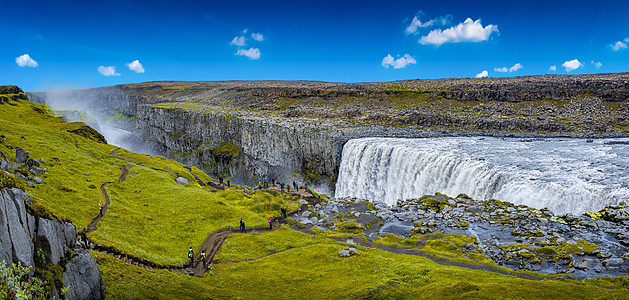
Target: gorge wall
(289, 129)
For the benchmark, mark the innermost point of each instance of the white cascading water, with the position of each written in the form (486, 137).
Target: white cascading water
(563, 175)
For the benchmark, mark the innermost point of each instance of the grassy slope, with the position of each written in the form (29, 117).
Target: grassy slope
(309, 269)
(152, 232)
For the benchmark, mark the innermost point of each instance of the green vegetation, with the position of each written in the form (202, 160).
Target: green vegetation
(14, 283)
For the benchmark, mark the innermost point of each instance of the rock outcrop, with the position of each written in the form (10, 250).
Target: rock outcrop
(83, 278)
(23, 236)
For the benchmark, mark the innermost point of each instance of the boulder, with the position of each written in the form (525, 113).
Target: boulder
(38, 171)
(83, 278)
(352, 251)
(38, 180)
(302, 202)
(181, 180)
(306, 214)
(586, 264)
(4, 164)
(613, 263)
(344, 253)
(32, 163)
(21, 155)
(55, 238)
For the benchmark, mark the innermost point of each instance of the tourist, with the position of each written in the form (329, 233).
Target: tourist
(84, 236)
(283, 209)
(270, 224)
(191, 256)
(295, 185)
(288, 187)
(242, 226)
(100, 207)
(220, 179)
(228, 184)
(203, 257)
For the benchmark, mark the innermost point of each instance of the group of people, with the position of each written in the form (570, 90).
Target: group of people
(220, 179)
(296, 185)
(243, 229)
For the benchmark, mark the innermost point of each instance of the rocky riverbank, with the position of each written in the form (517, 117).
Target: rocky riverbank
(518, 237)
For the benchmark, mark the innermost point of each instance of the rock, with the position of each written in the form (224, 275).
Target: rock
(181, 180)
(306, 214)
(32, 185)
(302, 202)
(352, 251)
(16, 230)
(586, 264)
(4, 164)
(344, 253)
(38, 171)
(21, 155)
(613, 263)
(83, 278)
(55, 238)
(13, 166)
(42, 161)
(32, 163)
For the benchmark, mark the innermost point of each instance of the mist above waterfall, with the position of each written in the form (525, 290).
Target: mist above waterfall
(564, 175)
(117, 129)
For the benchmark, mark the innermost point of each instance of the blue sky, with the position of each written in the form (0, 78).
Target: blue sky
(69, 43)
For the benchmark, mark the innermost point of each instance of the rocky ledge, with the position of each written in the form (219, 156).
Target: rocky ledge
(515, 236)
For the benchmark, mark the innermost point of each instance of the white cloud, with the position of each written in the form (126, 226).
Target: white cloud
(619, 45)
(245, 30)
(552, 68)
(572, 65)
(468, 31)
(515, 67)
(252, 53)
(416, 23)
(627, 40)
(597, 64)
(399, 63)
(26, 61)
(258, 37)
(108, 71)
(136, 66)
(482, 74)
(239, 41)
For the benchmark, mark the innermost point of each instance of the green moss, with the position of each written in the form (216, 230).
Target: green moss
(226, 150)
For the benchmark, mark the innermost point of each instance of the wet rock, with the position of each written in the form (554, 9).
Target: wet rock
(83, 277)
(181, 180)
(21, 155)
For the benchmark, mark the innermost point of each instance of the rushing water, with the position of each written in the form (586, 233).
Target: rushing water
(564, 175)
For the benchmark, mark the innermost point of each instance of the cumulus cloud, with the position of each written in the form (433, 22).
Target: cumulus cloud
(597, 64)
(135, 66)
(239, 41)
(572, 65)
(468, 31)
(619, 45)
(258, 37)
(399, 63)
(26, 61)
(482, 74)
(108, 71)
(252, 53)
(552, 68)
(514, 68)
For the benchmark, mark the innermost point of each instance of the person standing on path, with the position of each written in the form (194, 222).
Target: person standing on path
(84, 237)
(100, 207)
(270, 224)
(283, 212)
(191, 256)
(242, 226)
(203, 257)
(228, 184)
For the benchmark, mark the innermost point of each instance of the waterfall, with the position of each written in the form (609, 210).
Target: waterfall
(564, 175)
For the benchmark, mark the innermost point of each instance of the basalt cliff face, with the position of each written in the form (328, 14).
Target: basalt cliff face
(276, 129)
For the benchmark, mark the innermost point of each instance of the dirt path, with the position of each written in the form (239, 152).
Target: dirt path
(94, 222)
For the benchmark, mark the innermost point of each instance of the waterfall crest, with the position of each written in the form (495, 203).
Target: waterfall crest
(564, 175)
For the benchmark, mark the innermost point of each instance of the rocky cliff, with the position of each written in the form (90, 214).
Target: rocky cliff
(35, 241)
(269, 129)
